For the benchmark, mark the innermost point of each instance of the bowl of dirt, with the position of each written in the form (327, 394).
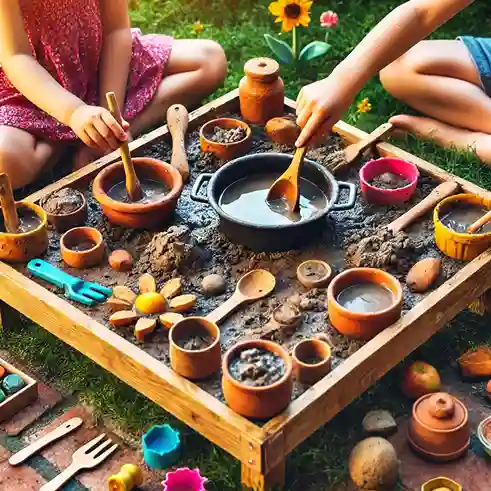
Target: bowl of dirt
(227, 138)
(161, 185)
(484, 434)
(311, 360)
(65, 209)
(388, 181)
(195, 348)
(82, 247)
(257, 378)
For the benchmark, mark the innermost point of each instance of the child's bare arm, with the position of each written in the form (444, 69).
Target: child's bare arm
(322, 103)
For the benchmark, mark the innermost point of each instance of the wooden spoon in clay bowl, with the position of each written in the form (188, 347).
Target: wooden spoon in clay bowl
(9, 208)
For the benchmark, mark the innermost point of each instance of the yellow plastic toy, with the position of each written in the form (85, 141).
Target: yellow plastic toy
(129, 477)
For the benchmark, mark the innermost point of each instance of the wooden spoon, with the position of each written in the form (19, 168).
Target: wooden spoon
(9, 208)
(252, 286)
(484, 220)
(133, 186)
(287, 185)
(177, 122)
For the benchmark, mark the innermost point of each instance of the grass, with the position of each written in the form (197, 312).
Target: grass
(321, 462)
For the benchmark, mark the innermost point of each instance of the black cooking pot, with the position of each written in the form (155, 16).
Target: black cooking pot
(271, 237)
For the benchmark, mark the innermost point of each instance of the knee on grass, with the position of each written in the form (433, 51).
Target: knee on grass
(18, 166)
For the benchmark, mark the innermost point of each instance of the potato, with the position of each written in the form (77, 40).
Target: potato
(423, 274)
(121, 260)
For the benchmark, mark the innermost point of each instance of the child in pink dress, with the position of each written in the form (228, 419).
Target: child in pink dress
(58, 59)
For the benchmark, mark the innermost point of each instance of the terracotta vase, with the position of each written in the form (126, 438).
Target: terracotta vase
(261, 91)
(257, 402)
(86, 258)
(310, 373)
(439, 428)
(195, 364)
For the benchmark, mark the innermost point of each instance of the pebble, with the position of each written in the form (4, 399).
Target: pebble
(379, 423)
(12, 383)
(213, 284)
(2, 396)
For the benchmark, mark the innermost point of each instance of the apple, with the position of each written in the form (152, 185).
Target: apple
(419, 379)
(488, 390)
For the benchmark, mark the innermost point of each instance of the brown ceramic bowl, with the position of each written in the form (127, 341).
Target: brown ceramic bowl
(225, 151)
(76, 238)
(66, 221)
(310, 373)
(195, 364)
(18, 248)
(257, 402)
(138, 215)
(363, 325)
(439, 427)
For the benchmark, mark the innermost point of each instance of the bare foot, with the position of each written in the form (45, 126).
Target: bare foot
(445, 135)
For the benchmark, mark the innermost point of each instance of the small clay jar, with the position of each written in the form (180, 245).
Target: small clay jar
(194, 364)
(72, 240)
(308, 349)
(261, 91)
(66, 221)
(257, 402)
(439, 428)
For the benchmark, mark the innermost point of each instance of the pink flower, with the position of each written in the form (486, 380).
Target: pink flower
(329, 19)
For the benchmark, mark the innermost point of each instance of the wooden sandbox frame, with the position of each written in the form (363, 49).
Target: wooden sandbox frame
(262, 450)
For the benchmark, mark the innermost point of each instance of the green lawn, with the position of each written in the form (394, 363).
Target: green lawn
(320, 463)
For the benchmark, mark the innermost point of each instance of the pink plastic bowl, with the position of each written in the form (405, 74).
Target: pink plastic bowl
(379, 196)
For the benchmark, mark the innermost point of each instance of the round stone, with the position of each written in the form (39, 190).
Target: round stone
(12, 383)
(2, 396)
(213, 284)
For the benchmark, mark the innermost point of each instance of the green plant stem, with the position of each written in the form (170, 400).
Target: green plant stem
(294, 43)
(326, 38)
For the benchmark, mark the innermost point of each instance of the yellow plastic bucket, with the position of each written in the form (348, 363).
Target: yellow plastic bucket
(461, 246)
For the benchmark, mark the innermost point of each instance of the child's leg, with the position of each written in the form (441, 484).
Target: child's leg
(194, 70)
(440, 79)
(22, 156)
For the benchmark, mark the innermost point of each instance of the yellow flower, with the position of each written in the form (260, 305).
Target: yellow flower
(364, 106)
(198, 27)
(292, 13)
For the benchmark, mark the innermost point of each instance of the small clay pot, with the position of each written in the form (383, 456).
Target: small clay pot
(257, 402)
(363, 325)
(261, 91)
(439, 428)
(309, 373)
(81, 259)
(194, 364)
(138, 215)
(18, 248)
(225, 151)
(484, 434)
(66, 221)
(314, 273)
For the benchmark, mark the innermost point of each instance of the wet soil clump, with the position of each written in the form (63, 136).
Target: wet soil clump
(83, 246)
(63, 202)
(388, 180)
(223, 135)
(195, 342)
(257, 367)
(312, 360)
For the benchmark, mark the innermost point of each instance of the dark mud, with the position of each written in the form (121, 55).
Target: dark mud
(28, 221)
(387, 180)
(233, 135)
(62, 202)
(257, 367)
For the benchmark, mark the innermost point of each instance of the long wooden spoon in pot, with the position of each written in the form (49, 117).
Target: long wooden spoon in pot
(9, 208)
(484, 220)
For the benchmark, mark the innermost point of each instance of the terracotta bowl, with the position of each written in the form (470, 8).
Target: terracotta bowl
(195, 364)
(66, 221)
(18, 248)
(257, 402)
(310, 373)
(225, 151)
(137, 215)
(81, 259)
(439, 428)
(363, 325)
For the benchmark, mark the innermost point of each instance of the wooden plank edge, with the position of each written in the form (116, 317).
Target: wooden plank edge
(182, 398)
(360, 371)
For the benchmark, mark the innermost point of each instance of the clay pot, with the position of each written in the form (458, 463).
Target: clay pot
(18, 248)
(83, 258)
(225, 151)
(194, 364)
(66, 221)
(308, 373)
(257, 402)
(138, 215)
(439, 428)
(363, 325)
(261, 91)
(484, 434)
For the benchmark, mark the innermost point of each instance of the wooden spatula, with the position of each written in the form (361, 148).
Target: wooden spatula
(133, 186)
(177, 122)
(9, 209)
(484, 220)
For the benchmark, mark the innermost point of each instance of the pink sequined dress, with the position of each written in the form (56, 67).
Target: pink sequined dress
(66, 39)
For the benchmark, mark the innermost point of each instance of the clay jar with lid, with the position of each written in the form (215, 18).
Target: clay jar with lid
(261, 91)
(439, 429)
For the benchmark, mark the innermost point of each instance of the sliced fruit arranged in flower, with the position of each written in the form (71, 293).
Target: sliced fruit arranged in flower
(170, 318)
(182, 303)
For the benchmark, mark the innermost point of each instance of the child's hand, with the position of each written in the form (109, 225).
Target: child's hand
(96, 127)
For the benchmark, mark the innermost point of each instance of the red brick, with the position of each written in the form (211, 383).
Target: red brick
(48, 398)
(21, 478)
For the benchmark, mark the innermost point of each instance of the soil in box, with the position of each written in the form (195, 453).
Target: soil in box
(388, 180)
(257, 367)
(63, 202)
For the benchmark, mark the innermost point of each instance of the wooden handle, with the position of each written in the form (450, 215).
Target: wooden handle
(226, 308)
(484, 220)
(133, 187)
(61, 479)
(9, 208)
(177, 121)
(440, 192)
(57, 433)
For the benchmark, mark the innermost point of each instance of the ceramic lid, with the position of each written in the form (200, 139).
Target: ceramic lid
(440, 411)
(265, 69)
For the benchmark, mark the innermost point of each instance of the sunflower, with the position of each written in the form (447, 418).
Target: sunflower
(292, 13)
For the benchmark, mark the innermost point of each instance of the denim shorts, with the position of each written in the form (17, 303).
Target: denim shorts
(480, 51)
